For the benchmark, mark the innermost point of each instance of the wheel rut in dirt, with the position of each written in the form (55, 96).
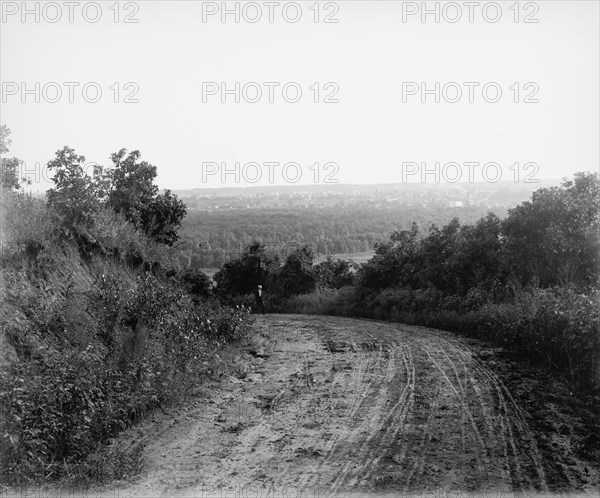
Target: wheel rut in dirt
(335, 407)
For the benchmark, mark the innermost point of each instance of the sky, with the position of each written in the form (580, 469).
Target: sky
(166, 67)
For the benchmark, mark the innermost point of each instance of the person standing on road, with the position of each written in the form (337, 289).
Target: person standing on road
(259, 300)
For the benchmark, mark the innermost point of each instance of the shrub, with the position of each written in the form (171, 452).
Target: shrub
(197, 283)
(226, 324)
(112, 235)
(27, 226)
(51, 411)
(559, 327)
(248, 301)
(322, 302)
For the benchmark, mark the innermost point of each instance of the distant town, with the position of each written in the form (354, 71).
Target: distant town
(485, 195)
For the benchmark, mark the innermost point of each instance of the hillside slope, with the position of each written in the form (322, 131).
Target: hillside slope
(97, 329)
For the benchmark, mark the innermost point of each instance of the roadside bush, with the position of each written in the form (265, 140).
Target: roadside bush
(248, 301)
(475, 299)
(26, 223)
(197, 283)
(389, 302)
(226, 324)
(559, 327)
(116, 237)
(426, 300)
(323, 302)
(52, 411)
(58, 408)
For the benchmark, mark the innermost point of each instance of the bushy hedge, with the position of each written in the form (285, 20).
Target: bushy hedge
(322, 302)
(559, 327)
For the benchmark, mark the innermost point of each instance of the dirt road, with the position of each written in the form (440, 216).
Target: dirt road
(328, 406)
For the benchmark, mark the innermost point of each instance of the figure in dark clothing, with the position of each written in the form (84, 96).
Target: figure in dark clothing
(259, 300)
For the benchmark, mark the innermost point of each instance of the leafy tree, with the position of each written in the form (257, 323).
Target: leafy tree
(130, 190)
(130, 184)
(9, 167)
(436, 257)
(241, 276)
(75, 195)
(9, 173)
(335, 273)
(297, 275)
(555, 237)
(4, 140)
(478, 258)
(394, 263)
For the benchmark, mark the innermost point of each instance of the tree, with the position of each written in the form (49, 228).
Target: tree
(9, 167)
(335, 273)
(436, 257)
(9, 173)
(297, 275)
(130, 190)
(241, 276)
(478, 258)
(555, 237)
(394, 263)
(130, 185)
(4, 140)
(161, 218)
(75, 195)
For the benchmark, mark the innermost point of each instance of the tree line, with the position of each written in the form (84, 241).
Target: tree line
(214, 237)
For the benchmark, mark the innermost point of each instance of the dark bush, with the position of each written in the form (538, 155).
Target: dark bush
(197, 283)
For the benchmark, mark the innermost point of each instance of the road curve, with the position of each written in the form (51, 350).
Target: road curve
(330, 406)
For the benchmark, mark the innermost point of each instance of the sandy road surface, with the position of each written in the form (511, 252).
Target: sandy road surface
(329, 406)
